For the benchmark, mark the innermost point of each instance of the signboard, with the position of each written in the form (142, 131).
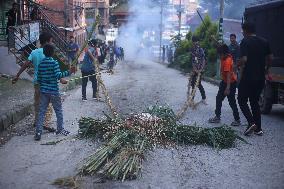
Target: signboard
(34, 32)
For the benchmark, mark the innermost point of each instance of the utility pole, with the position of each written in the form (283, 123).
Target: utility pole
(220, 32)
(161, 29)
(179, 18)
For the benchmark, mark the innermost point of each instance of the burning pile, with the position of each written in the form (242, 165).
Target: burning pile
(128, 139)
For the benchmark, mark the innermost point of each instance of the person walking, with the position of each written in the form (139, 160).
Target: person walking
(227, 87)
(198, 66)
(255, 58)
(88, 70)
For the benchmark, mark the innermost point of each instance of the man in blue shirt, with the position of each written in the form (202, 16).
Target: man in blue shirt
(34, 60)
(88, 70)
(73, 49)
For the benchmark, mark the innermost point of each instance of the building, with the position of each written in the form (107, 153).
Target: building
(120, 14)
(68, 15)
(103, 10)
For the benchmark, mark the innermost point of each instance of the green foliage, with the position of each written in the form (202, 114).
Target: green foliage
(204, 32)
(122, 155)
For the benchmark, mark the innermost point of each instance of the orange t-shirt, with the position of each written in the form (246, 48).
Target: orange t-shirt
(227, 66)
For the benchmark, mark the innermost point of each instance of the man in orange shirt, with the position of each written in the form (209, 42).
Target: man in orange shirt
(227, 87)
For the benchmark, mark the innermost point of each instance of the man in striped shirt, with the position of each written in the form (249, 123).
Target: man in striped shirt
(48, 76)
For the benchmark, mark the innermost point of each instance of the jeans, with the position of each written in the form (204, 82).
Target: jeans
(231, 98)
(93, 79)
(55, 100)
(200, 87)
(49, 112)
(250, 91)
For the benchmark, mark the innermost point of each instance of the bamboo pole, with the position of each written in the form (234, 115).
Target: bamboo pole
(190, 97)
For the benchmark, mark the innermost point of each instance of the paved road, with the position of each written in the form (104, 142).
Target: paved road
(135, 86)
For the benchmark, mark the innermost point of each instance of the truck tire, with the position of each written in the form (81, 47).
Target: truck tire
(265, 100)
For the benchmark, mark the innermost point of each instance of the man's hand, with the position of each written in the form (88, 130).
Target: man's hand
(227, 91)
(63, 81)
(72, 69)
(15, 79)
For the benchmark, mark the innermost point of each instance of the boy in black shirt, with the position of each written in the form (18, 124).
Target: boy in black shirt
(255, 58)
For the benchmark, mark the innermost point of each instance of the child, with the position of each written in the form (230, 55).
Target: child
(88, 68)
(48, 76)
(227, 87)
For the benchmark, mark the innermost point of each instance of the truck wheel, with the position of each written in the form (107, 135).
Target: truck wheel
(265, 100)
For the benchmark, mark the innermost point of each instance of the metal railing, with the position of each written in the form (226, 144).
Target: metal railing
(20, 44)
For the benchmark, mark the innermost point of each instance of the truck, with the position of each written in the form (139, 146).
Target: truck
(269, 23)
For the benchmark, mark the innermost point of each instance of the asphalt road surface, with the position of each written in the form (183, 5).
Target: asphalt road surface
(25, 164)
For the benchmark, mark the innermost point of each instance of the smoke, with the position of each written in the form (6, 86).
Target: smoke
(142, 30)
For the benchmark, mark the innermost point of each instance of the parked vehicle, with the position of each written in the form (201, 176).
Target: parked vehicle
(268, 19)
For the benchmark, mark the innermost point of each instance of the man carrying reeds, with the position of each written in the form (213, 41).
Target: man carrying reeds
(198, 65)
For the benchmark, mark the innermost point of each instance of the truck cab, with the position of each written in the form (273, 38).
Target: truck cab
(269, 23)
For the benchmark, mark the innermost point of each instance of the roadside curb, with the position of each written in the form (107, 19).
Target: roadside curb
(13, 117)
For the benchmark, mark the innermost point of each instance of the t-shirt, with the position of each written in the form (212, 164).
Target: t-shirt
(36, 57)
(234, 51)
(197, 57)
(49, 74)
(227, 67)
(255, 49)
(88, 65)
(72, 46)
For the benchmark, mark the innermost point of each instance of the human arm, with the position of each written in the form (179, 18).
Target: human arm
(228, 83)
(23, 68)
(58, 73)
(228, 70)
(268, 58)
(87, 50)
(243, 54)
(203, 60)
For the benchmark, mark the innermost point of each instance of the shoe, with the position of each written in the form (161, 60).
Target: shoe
(37, 136)
(236, 123)
(250, 129)
(203, 101)
(49, 129)
(95, 98)
(214, 120)
(63, 132)
(259, 132)
(84, 99)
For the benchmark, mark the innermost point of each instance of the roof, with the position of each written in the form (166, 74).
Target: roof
(264, 5)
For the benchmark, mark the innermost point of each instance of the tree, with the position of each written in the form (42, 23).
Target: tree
(204, 32)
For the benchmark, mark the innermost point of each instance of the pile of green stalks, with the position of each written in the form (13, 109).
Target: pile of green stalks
(128, 139)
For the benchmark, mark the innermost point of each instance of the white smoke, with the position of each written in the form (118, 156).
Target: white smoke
(142, 31)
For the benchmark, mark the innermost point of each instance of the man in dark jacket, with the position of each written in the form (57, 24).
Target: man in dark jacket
(255, 60)
(13, 15)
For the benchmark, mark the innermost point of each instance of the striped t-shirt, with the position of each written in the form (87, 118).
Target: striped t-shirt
(49, 74)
